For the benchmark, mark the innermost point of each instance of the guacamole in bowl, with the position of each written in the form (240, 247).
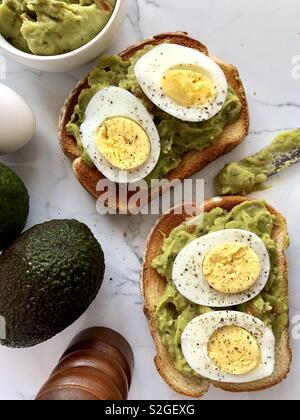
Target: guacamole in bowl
(51, 27)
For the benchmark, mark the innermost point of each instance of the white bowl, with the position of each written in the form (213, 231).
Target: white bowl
(83, 55)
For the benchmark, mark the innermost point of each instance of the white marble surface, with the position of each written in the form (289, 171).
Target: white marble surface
(260, 37)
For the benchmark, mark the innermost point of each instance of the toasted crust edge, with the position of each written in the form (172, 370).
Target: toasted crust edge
(153, 285)
(192, 162)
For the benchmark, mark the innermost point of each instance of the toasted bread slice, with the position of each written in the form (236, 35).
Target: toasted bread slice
(153, 286)
(192, 161)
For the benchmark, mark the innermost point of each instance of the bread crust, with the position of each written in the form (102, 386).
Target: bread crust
(153, 286)
(192, 161)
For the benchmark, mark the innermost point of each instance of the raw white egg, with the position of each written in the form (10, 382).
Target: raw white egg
(108, 104)
(190, 279)
(17, 121)
(197, 336)
(152, 68)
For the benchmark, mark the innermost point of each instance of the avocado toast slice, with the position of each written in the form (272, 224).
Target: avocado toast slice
(192, 161)
(153, 286)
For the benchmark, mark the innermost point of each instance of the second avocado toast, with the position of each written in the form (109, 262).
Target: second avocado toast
(169, 312)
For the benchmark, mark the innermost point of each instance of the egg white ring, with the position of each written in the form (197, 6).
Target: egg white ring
(195, 340)
(149, 71)
(188, 265)
(116, 102)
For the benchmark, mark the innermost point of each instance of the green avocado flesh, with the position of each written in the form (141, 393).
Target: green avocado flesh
(14, 205)
(174, 311)
(177, 137)
(249, 174)
(48, 278)
(50, 27)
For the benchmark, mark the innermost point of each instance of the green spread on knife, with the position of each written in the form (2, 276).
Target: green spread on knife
(250, 173)
(177, 137)
(174, 311)
(50, 27)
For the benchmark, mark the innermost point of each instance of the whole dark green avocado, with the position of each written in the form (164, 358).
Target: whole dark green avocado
(14, 205)
(48, 278)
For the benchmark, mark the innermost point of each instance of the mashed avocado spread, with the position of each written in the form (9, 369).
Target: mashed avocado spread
(250, 173)
(174, 311)
(50, 27)
(177, 137)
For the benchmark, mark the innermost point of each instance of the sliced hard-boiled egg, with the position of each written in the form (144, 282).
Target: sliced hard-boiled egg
(183, 82)
(221, 269)
(229, 346)
(120, 136)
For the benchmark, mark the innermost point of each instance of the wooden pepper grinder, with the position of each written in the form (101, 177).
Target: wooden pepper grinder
(98, 365)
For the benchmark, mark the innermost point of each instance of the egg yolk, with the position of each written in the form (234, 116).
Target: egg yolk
(188, 88)
(123, 143)
(234, 350)
(231, 268)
